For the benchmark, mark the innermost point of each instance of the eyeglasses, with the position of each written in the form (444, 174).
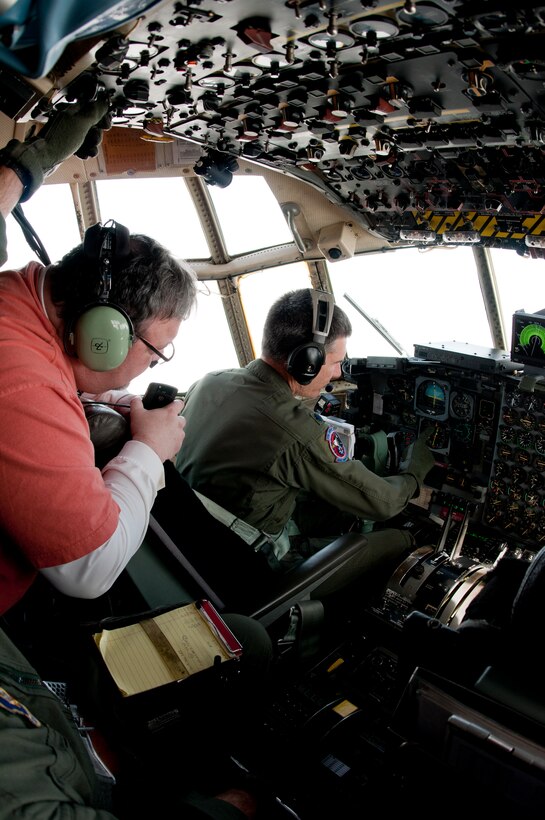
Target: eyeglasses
(165, 355)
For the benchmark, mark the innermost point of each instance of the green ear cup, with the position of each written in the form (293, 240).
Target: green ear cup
(103, 337)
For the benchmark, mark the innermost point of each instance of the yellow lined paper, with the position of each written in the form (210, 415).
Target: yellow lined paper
(137, 662)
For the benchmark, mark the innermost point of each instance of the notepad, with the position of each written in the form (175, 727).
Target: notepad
(169, 647)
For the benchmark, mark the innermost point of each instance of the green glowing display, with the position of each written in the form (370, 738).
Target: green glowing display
(532, 330)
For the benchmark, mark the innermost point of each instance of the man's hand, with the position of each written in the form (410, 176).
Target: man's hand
(76, 129)
(161, 429)
(421, 460)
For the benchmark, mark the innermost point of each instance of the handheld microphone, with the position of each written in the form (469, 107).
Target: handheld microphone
(158, 395)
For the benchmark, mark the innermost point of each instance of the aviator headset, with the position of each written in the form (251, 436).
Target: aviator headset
(305, 361)
(102, 333)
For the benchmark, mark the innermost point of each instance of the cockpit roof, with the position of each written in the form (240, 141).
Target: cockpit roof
(423, 121)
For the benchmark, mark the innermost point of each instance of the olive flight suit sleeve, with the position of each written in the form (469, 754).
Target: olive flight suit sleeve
(323, 467)
(45, 772)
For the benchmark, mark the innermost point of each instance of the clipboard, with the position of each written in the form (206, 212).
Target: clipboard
(167, 647)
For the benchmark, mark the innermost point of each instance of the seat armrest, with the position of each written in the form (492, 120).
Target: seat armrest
(298, 583)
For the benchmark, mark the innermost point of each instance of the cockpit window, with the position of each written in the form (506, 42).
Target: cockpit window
(258, 292)
(249, 215)
(58, 235)
(160, 207)
(521, 285)
(203, 344)
(417, 297)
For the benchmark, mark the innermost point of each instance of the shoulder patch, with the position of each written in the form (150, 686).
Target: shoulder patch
(335, 444)
(9, 704)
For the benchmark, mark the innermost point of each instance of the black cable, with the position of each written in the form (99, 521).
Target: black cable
(31, 236)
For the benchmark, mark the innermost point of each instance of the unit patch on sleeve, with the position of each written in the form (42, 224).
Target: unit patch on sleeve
(9, 704)
(335, 444)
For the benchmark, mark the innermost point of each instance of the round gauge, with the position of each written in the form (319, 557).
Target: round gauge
(216, 82)
(531, 498)
(517, 475)
(137, 50)
(270, 60)
(523, 457)
(498, 486)
(439, 439)
(493, 518)
(513, 521)
(539, 445)
(515, 493)
(531, 341)
(129, 65)
(531, 515)
(507, 434)
(524, 439)
(504, 451)
(527, 420)
(424, 15)
(325, 41)
(382, 26)
(408, 418)
(540, 462)
(501, 469)
(509, 416)
(461, 405)
(431, 398)
(535, 481)
(461, 431)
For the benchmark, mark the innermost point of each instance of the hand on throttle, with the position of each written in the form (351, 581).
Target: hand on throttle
(421, 460)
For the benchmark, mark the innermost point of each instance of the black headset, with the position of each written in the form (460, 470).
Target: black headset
(305, 362)
(102, 333)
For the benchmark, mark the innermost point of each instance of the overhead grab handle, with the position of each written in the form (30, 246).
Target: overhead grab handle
(290, 211)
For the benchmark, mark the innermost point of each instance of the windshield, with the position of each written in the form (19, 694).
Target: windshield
(417, 297)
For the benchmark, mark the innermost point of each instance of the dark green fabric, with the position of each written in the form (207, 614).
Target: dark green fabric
(251, 447)
(45, 772)
(44, 769)
(66, 133)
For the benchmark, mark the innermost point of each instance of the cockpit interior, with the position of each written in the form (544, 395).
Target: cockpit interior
(392, 153)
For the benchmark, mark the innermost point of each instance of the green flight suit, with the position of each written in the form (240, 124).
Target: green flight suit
(45, 770)
(252, 447)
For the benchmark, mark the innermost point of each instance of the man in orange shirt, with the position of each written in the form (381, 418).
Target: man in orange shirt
(60, 516)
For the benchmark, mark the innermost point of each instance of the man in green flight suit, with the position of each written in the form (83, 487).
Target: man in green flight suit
(253, 445)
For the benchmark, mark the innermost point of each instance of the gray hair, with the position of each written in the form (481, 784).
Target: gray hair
(148, 284)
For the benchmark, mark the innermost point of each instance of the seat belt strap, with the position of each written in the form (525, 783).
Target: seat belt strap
(252, 536)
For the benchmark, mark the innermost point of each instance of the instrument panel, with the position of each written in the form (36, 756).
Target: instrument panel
(488, 438)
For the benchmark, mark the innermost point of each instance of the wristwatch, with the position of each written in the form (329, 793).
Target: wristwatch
(23, 173)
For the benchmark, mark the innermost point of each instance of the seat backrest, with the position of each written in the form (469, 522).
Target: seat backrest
(527, 616)
(224, 567)
(206, 557)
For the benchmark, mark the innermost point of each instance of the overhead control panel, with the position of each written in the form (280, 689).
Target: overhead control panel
(425, 119)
